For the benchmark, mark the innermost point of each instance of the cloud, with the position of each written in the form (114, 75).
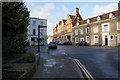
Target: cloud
(65, 9)
(104, 9)
(84, 7)
(43, 11)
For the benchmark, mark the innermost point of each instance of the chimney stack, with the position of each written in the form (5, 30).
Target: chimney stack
(119, 5)
(77, 10)
(119, 8)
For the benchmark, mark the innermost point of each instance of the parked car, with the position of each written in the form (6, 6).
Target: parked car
(52, 45)
(69, 43)
(61, 42)
(82, 43)
(57, 43)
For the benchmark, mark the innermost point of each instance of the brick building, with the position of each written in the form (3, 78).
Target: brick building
(103, 30)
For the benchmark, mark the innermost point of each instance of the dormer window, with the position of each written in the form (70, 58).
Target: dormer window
(88, 21)
(78, 23)
(98, 18)
(111, 15)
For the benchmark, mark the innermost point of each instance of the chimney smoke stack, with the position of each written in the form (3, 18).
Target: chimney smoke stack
(77, 10)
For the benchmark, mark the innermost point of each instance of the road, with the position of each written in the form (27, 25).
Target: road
(101, 62)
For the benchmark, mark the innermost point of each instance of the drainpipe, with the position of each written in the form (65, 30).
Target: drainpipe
(116, 40)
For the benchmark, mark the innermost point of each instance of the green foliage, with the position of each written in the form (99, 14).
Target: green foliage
(15, 19)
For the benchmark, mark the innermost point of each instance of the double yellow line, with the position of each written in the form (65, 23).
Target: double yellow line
(88, 75)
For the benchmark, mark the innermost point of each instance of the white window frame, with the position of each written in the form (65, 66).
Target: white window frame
(88, 21)
(97, 39)
(107, 28)
(77, 23)
(81, 31)
(118, 26)
(76, 40)
(76, 32)
(94, 29)
(88, 30)
(118, 38)
(87, 40)
(98, 18)
(110, 37)
(111, 15)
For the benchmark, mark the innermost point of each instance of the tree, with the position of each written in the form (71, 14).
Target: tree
(15, 19)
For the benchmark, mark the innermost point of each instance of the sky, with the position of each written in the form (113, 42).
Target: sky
(56, 11)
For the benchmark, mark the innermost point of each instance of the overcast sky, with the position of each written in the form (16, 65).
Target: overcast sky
(56, 11)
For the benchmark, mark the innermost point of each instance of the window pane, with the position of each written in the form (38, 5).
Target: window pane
(34, 22)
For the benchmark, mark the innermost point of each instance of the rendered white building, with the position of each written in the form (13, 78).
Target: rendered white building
(33, 31)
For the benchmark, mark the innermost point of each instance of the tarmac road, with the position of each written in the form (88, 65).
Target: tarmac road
(101, 62)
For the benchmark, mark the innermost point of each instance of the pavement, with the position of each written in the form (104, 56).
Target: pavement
(100, 62)
(56, 66)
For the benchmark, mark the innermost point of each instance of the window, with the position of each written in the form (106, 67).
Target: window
(118, 38)
(76, 32)
(41, 30)
(81, 31)
(98, 18)
(87, 30)
(111, 15)
(87, 39)
(41, 33)
(88, 21)
(96, 29)
(112, 37)
(41, 23)
(105, 27)
(78, 23)
(34, 23)
(76, 40)
(118, 25)
(33, 31)
(96, 39)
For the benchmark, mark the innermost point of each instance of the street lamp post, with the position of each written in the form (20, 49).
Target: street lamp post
(38, 38)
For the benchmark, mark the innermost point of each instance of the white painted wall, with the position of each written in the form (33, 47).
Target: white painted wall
(31, 27)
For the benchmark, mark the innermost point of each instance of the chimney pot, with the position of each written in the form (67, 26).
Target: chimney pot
(77, 10)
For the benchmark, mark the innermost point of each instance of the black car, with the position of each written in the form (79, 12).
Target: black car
(82, 43)
(52, 45)
(69, 43)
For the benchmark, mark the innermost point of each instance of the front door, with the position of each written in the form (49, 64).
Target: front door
(106, 40)
(68, 37)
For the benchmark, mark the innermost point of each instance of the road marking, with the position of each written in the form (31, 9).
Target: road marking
(84, 69)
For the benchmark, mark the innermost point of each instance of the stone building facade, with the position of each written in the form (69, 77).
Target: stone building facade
(101, 30)
(33, 31)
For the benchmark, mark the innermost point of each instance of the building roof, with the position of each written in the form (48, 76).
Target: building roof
(103, 17)
(72, 17)
(38, 18)
(64, 21)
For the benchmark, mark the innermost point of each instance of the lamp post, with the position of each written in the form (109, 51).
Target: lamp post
(38, 38)
(116, 39)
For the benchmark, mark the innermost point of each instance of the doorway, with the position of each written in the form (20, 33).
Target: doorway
(106, 40)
